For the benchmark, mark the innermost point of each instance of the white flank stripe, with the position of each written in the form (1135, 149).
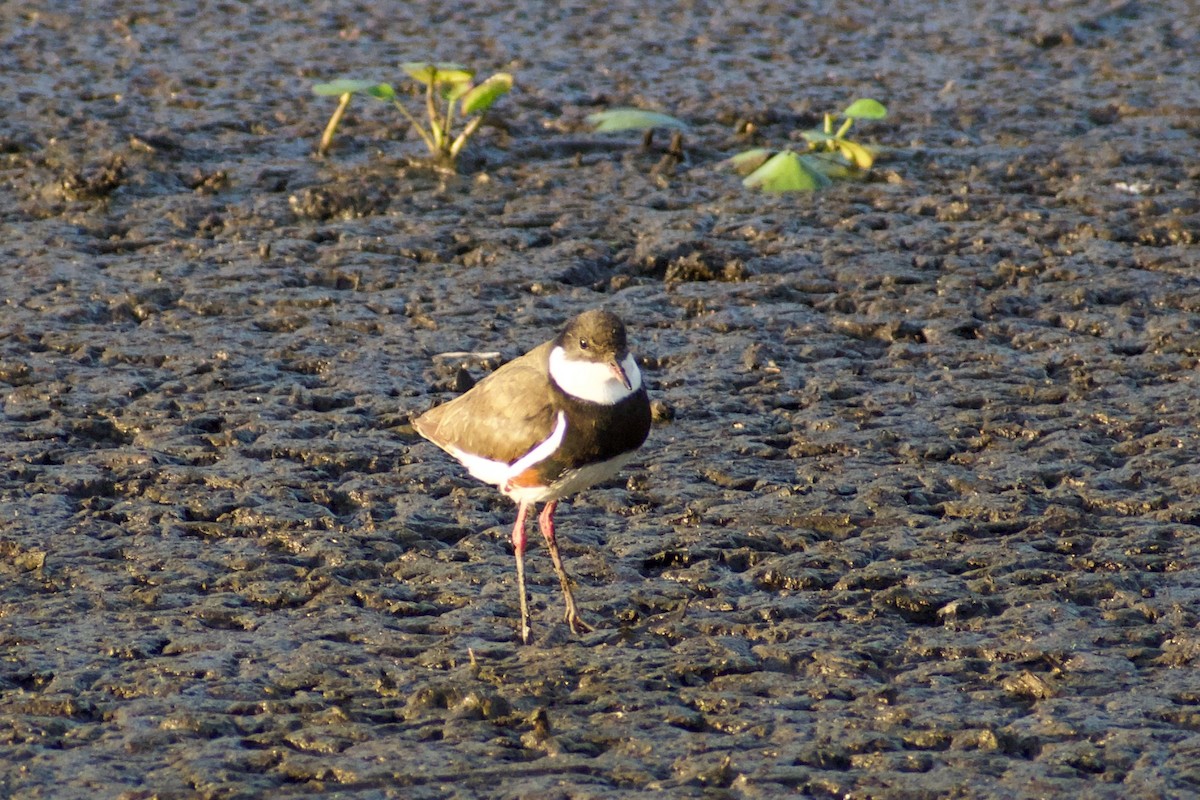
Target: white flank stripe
(591, 380)
(484, 469)
(499, 473)
(543, 450)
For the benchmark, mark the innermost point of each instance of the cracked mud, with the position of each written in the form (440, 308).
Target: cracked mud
(918, 516)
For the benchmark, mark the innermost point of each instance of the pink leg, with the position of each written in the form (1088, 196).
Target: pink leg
(546, 522)
(518, 540)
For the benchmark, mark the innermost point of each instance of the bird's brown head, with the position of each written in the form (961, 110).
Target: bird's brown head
(598, 337)
(594, 335)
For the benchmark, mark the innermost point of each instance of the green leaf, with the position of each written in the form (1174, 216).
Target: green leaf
(632, 119)
(785, 172)
(444, 72)
(832, 165)
(818, 136)
(480, 98)
(865, 108)
(747, 161)
(383, 91)
(857, 154)
(453, 91)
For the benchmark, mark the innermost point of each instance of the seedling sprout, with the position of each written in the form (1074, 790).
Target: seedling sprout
(449, 90)
(830, 156)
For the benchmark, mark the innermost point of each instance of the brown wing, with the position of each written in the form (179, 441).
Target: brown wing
(503, 417)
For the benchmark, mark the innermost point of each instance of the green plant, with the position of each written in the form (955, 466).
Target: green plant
(632, 119)
(449, 90)
(858, 155)
(784, 171)
(636, 119)
(830, 156)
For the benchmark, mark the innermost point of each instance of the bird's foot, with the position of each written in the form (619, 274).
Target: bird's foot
(574, 621)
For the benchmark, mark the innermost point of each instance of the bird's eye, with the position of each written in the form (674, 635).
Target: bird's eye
(583, 344)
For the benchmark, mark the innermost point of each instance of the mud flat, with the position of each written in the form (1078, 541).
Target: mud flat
(920, 517)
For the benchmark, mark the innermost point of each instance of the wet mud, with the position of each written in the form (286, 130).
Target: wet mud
(918, 516)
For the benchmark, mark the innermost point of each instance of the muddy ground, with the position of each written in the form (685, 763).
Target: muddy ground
(919, 518)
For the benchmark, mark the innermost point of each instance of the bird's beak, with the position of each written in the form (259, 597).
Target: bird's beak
(619, 373)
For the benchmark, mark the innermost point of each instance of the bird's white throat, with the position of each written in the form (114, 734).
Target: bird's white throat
(592, 380)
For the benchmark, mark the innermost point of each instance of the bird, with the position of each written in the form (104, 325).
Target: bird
(565, 416)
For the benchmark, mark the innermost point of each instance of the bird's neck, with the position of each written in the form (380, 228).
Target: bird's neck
(593, 381)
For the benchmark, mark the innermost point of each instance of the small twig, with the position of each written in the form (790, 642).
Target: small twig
(675, 150)
(463, 354)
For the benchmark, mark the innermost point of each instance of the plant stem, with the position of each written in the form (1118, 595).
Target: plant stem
(447, 120)
(416, 126)
(472, 126)
(435, 127)
(842, 131)
(334, 121)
